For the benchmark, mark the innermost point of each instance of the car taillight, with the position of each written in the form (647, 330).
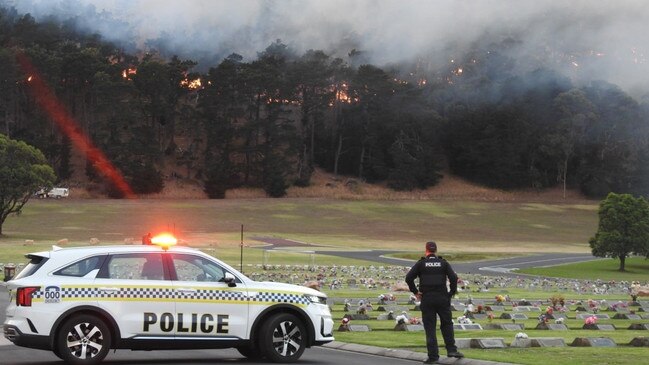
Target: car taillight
(24, 295)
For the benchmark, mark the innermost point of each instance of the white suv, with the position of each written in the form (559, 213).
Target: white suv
(82, 302)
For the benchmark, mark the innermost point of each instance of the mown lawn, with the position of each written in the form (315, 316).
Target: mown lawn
(636, 268)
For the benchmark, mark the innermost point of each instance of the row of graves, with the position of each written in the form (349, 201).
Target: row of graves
(554, 315)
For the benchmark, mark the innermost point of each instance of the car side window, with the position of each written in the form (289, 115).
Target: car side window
(136, 266)
(196, 268)
(82, 267)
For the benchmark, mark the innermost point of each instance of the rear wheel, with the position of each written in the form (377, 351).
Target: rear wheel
(83, 340)
(283, 338)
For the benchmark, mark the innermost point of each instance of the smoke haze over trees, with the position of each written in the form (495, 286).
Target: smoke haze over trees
(507, 95)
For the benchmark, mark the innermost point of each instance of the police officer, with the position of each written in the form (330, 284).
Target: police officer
(432, 272)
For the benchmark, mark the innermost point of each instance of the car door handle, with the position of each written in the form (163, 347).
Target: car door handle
(109, 290)
(186, 290)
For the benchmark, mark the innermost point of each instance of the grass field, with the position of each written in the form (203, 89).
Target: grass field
(399, 225)
(636, 268)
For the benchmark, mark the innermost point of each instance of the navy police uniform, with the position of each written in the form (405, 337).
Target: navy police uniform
(433, 272)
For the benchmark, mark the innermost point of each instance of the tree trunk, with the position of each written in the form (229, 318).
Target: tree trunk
(622, 259)
(565, 176)
(360, 165)
(338, 153)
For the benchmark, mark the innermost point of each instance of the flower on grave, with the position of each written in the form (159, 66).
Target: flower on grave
(549, 310)
(414, 320)
(500, 298)
(345, 322)
(480, 309)
(401, 319)
(559, 320)
(521, 335)
(464, 320)
(543, 318)
(490, 316)
(590, 320)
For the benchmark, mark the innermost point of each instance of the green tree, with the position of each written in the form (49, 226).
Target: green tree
(23, 171)
(623, 228)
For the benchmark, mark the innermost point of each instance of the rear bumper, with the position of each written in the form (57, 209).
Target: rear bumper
(13, 334)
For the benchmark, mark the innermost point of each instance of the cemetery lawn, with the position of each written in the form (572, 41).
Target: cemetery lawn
(457, 256)
(637, 268)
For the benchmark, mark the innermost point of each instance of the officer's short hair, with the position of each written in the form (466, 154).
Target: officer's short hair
(431, 246)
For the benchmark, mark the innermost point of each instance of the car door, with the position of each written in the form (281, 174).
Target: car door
(206, 306)
(134, 288)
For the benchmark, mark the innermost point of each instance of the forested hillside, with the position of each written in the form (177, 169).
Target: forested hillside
(268, 122)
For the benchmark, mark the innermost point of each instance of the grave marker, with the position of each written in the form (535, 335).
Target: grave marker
(548, 342)
(551, 326)
(599, 327)
(640, 342)
(357, 317)
(487, 343)
(519, 316)
(593, 342)
(467, 327)
(634, 317)
(639, 326)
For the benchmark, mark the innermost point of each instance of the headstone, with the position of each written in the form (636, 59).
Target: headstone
(599, 327)
(645, 316)
(512, 326)
(598, 315)
(593, 342)
(640, 342)
(620, 310)
(630, 316)
(526, 309)
(487, 343)
(392, 308)
(524, 303)
(385, 317)
(559, 315)
(463, 343)
(521, 343)
(548, 342)
(580, 309)
(551, 326)
(458, 307)
(358, 328)
(477, 315)
(639, 326)
(496, 308)
(357, 317)
(467, 327)
(409, 327)
(519, 316)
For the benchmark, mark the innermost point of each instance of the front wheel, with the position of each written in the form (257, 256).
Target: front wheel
(283, 338)
(83, 340)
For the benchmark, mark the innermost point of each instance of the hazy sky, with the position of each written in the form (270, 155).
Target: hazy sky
(604, 38)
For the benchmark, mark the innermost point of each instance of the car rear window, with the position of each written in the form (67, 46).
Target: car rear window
(82, 267)
(35, 263)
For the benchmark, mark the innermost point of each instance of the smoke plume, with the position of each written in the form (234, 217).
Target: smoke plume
(583, 39)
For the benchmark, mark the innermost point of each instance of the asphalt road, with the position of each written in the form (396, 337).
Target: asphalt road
(490, 267)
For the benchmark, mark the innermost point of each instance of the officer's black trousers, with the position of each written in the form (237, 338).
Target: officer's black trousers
(435, 304)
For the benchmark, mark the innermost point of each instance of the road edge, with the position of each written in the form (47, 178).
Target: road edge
(404, 354)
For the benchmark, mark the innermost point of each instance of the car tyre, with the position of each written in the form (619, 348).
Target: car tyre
(282, 338)
(83, 340)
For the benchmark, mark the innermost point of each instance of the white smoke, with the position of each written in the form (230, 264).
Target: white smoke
(581, 38)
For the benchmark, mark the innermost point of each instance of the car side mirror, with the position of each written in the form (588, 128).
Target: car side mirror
(230, 280)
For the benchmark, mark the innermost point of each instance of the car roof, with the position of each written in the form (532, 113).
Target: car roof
(85, 250)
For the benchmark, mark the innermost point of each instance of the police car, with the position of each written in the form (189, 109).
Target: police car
(82, 302)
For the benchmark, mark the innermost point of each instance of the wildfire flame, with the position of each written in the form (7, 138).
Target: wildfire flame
(127, 73)
(191, 84)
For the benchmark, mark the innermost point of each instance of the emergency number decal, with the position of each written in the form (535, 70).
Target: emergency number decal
(52, 294)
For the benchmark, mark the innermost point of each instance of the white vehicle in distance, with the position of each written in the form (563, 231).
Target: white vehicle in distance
(57, 193)
(81, 302)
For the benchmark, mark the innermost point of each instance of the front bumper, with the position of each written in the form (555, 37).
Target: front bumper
(13, 334)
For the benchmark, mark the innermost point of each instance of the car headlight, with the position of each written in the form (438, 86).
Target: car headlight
(316, 299)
